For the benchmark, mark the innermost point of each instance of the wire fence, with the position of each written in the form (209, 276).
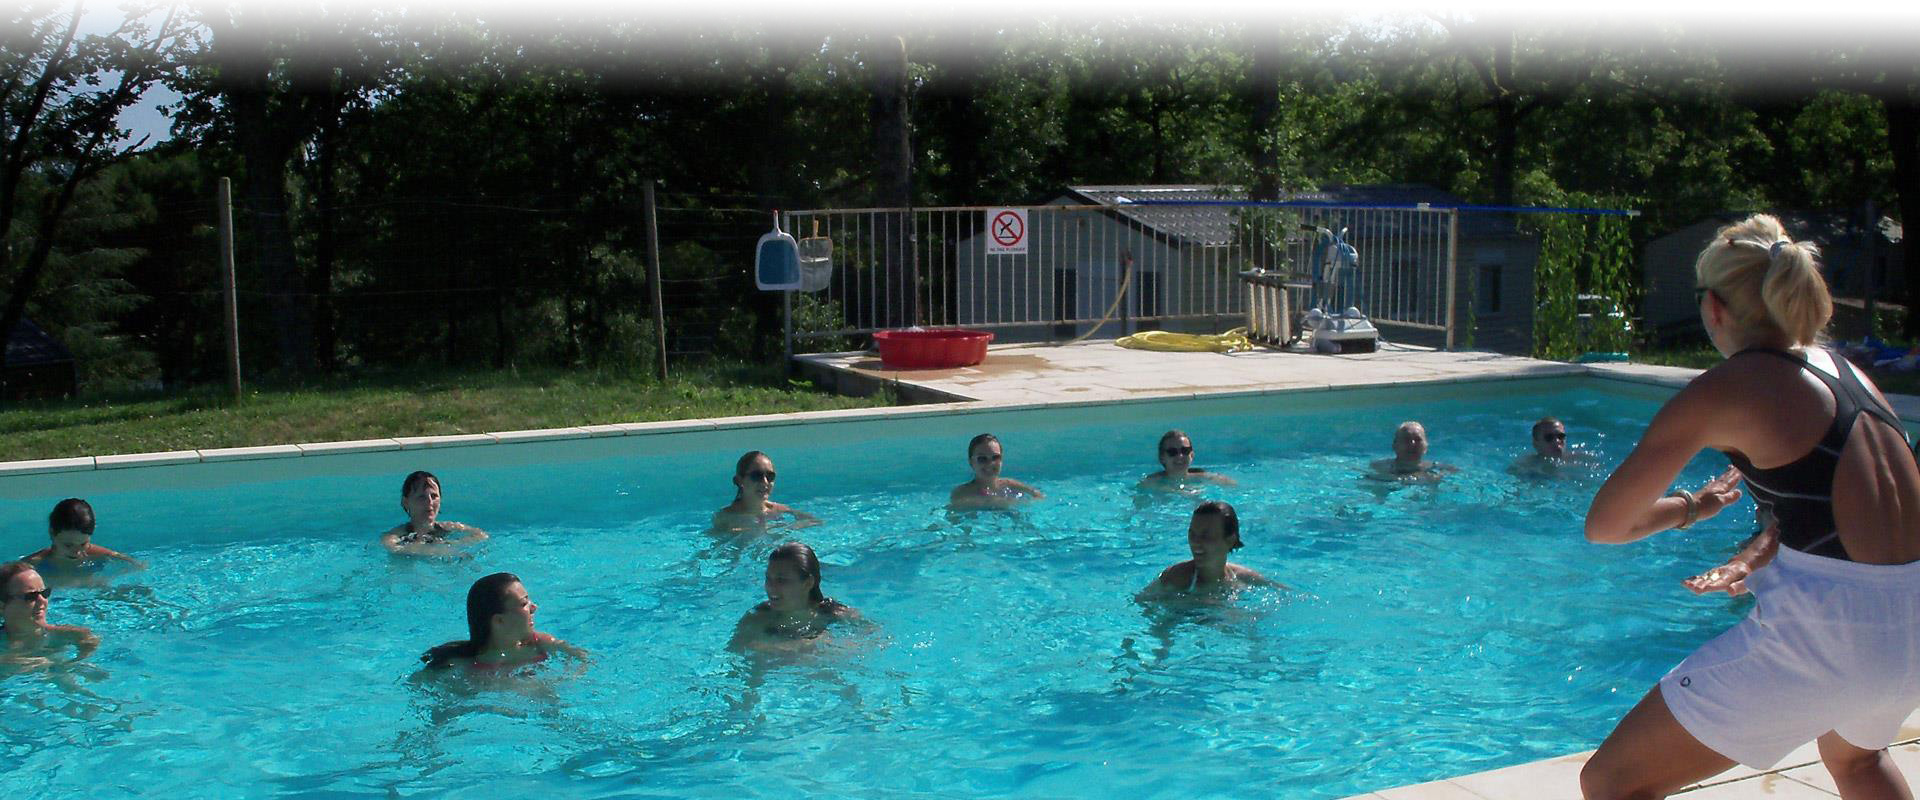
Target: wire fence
(1050, 272)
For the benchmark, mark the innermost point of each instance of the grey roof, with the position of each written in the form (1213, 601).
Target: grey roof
(1213, 225)
(29, 346)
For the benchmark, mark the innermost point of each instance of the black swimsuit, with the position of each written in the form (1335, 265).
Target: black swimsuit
(1799, 494)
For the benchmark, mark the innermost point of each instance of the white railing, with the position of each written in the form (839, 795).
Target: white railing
(1170, 265)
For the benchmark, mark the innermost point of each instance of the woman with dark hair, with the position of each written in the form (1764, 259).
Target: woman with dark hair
(500, 634)
(26, 640)
(753, 508)
(1828, 653)
(424, 534)
(988, 489)
(71, 558)
(1213, 533)
(1177, 472)
(795, 608)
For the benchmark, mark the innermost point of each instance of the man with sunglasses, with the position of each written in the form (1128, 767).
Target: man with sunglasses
(1550, 455)
(26, 640)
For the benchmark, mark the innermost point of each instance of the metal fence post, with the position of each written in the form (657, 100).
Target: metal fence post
(654, 279)
(227, 285)
(1453, 259)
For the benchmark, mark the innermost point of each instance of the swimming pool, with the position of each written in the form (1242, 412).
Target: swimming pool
(1436, 631)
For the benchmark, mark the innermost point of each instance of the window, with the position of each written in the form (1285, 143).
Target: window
(1487, 297)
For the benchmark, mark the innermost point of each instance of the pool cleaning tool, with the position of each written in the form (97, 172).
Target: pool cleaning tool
(1232, 341)
(816, 261)
(1346, 332)
(776, 260)
(1334, 262)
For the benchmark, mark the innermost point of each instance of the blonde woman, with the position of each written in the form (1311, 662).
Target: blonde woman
(1829, 651)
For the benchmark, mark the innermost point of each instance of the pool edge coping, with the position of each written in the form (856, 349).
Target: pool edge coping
(1644, 374)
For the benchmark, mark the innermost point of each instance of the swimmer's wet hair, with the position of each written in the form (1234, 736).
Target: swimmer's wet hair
(71, 514)
(802, 556)
(1230, 520)
(740, 467)
(487, 597)
(980, 440)
(1544, 422)
(416, 478)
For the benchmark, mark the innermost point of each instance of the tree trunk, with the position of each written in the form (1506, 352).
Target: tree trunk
(265, 148)
(1263, 98)
(326, 244)
(1903, 141)
(893, 180)
(1506, 118)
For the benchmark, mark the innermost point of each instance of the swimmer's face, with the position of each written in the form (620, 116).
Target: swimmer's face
(70, 545)
(1207, 538)
(1550, 440)
(423, 503)
(26, 598)
(757, 480)
(1176, 455)
(789, 588)
(1410, 442)
(516, 612)
(985, 460)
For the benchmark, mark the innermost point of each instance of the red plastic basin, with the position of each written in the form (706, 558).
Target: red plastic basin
(932, 349)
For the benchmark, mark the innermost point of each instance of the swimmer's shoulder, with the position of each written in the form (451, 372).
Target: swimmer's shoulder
(1177, 576)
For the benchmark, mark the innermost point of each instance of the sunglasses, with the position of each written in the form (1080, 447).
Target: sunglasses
(987, 458)
(1700, 295)
(1176, 452)
(44, 594)
(759, 474)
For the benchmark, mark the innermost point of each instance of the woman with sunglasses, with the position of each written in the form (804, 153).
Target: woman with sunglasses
(753, 508)
(1177, 472)
(988, 489)
(28, 639)
(1831, 652)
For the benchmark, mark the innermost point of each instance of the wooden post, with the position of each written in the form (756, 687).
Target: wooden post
(227, 280)
(653, 281)
(1453, 285)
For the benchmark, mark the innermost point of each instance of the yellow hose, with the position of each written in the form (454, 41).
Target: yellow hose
(1232, 341)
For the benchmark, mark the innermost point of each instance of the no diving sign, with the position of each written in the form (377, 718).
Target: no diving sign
(1006, 231)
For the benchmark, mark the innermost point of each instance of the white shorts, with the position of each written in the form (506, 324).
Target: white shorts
(1831, 645)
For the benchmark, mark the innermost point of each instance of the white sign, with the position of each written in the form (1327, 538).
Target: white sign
(1006, 231)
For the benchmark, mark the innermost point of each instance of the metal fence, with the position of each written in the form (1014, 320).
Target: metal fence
(1059, 271)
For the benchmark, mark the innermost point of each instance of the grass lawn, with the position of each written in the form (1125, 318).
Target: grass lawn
(1704, 356)
(399, 404)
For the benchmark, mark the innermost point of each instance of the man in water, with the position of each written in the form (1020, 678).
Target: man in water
(1550, 455)
(1409, 464)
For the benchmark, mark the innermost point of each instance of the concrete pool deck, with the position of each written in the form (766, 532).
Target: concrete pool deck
(1099, 371)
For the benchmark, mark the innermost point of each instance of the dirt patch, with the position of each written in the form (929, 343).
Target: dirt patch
(994, 365)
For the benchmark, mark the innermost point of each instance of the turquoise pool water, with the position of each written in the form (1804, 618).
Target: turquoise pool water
(1435, 631)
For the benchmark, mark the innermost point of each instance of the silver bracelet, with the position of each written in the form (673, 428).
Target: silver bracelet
(1693, 508)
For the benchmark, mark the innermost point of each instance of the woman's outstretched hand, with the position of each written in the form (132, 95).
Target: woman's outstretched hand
(1719, 493)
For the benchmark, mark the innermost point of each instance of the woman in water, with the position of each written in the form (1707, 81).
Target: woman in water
(795, 608)
(988, 489)
(1211, 536)
(500, 634)
(424, 534)
(72, 558)
(753, 508)
(1177, 472)
(1827, 654)
(26, 638)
